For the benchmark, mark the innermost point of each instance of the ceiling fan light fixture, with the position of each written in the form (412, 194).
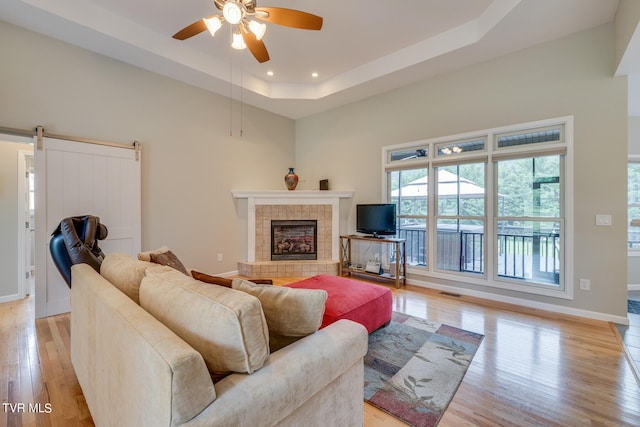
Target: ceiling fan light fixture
(238, 41)
(244, 30)
(213, 24)
(258, 29)
(232, 12)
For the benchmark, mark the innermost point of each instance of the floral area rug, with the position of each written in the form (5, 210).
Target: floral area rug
(414, 367)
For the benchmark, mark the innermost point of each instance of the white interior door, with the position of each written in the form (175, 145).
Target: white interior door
(78, 178)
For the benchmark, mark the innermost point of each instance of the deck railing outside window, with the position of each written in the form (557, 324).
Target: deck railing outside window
(416, 245)
(521, 255)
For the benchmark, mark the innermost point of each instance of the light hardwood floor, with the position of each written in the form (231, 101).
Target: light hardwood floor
(532, 369)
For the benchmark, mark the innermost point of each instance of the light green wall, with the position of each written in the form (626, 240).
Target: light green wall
(9, 217)
(189, 163)
(571, 76)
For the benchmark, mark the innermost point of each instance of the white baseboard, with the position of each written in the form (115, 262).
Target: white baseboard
(229, 273)
(9, 298)
(633, 287)
(524, 303)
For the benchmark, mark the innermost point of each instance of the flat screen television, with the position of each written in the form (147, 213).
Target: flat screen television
(376, 219)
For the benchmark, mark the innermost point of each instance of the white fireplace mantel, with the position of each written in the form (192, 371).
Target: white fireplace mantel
(287, 197)
(295, 194)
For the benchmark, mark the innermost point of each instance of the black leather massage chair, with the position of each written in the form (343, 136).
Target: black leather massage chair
(75, 241)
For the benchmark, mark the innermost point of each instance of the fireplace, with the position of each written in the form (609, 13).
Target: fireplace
(260, 208)
(294, 240)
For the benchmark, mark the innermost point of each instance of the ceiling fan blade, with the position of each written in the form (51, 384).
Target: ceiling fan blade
(191, 30)
(257, 47)
(289, 18)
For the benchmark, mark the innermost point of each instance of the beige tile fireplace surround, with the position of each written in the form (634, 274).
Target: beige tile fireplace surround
(265, 206)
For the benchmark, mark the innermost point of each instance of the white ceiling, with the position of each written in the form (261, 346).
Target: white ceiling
(364, 47)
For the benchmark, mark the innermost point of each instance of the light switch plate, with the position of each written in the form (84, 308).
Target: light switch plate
(602, 219)
(585, 284)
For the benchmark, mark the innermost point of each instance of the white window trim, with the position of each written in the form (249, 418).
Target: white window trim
(566, 290)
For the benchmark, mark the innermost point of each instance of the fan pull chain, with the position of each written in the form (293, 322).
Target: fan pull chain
(230, 85)
(241, 92)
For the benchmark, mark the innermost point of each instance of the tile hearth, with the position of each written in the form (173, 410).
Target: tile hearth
(266, 269)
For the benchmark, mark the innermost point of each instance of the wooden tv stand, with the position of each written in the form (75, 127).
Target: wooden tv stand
(396, 274)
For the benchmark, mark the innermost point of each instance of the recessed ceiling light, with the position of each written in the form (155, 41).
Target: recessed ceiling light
(269, 73)
(314, 74)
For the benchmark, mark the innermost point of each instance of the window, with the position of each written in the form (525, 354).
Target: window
(408, 190)
(633, 205)
(408, 154)
(497, 213)
(461, 217)
(460, 147)
(517, 138)
(529, 219)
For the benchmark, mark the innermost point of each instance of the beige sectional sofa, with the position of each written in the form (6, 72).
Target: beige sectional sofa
(135, 370)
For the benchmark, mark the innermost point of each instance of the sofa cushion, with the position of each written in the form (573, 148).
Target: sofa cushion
(125, 273)
(291, 313)
(227, 327)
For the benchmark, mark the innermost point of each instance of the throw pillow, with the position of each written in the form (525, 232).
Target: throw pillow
(146, 256)
(291, 313)
(170, 259)
(223, 281)
(214, 280)
(226, 327)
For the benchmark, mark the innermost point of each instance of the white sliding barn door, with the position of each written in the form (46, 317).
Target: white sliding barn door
(78, 178)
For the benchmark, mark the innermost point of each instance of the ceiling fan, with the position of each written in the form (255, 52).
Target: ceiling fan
(248, 32)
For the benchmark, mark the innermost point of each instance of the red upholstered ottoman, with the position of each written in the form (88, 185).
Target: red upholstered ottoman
(365, 303)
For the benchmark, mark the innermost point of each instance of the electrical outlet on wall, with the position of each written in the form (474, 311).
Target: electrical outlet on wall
(219, 257)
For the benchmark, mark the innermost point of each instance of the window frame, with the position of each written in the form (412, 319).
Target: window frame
(490, 155)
